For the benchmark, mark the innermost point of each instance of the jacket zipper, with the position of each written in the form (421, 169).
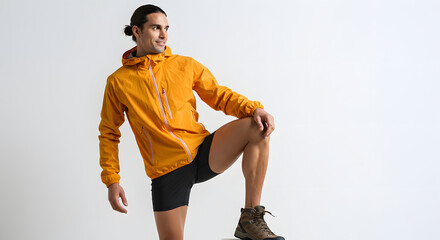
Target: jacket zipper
(193, 117)
(163, 113)
(151, 147)
(166, 100)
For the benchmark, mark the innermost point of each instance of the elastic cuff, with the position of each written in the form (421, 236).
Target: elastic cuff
(109, 180)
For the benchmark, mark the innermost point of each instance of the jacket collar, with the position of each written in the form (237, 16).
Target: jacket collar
(129, 59)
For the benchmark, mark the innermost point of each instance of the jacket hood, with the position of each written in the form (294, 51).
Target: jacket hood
(129, 57)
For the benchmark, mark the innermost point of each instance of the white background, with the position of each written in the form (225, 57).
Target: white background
(353, 86)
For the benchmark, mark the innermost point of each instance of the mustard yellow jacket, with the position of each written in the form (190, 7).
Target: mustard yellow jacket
(156, 93)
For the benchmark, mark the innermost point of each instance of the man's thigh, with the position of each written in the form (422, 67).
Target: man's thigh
(229, 142)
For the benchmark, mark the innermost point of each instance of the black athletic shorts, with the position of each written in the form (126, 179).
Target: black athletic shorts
(172, 190)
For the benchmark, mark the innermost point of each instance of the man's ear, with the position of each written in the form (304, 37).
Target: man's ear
(136, 31)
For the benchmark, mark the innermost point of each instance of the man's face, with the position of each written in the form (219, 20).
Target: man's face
(154, 35)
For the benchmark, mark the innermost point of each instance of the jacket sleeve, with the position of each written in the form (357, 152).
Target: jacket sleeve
(220, 97)
(112, 117)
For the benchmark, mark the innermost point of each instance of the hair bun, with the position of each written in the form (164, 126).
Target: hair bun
(128, 30)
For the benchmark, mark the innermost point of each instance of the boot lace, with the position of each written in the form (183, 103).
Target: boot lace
(260, 223)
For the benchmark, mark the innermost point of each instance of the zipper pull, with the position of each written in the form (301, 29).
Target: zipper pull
(163, 90)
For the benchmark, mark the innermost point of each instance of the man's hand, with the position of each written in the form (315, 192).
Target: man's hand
(114, 192)
(264, 121)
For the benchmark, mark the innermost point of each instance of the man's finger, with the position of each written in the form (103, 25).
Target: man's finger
(269, 129)
(124, 200)
(114, 202)
(119, 208)
(266, 126)
(260, 125)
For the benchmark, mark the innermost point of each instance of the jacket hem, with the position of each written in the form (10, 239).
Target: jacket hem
(167, 171)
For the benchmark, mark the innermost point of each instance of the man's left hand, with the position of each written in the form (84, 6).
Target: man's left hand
(264, 121)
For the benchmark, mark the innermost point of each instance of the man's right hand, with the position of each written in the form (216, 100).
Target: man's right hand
(115, 192)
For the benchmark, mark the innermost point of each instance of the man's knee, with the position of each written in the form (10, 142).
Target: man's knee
(255, 133)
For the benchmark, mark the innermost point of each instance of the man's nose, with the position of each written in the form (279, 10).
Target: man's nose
(162, 33)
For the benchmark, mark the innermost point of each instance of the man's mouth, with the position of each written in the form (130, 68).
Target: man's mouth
(160, 43)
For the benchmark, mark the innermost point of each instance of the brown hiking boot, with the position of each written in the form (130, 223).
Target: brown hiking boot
(252, 225)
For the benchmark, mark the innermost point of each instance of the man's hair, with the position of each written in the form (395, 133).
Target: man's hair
(139, 17)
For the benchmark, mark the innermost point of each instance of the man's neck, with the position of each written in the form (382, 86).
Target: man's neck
(141, 52)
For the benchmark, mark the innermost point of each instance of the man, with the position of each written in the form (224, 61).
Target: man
(155, 90)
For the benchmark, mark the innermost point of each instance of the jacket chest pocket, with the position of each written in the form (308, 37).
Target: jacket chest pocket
(149, 144)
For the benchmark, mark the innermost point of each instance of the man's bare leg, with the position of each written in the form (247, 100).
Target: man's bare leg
(170, 224)
(233, 139)
(230, 140)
